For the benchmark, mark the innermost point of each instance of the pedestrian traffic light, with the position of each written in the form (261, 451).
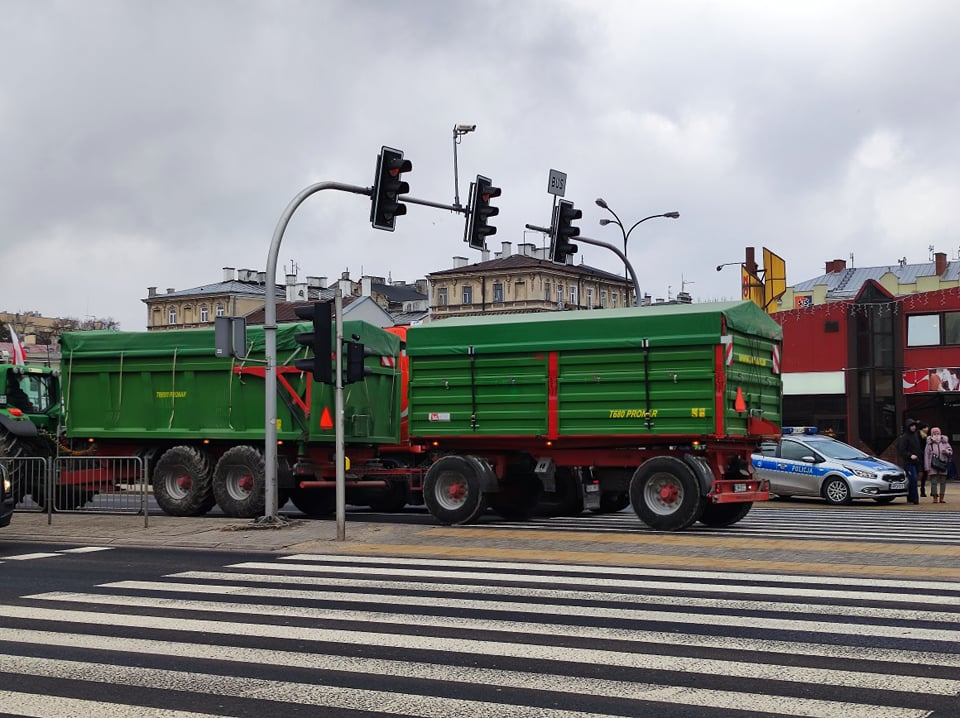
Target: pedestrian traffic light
(564, 231)
(387, 188)
(355, 369)
(320, 340)
(481, 192)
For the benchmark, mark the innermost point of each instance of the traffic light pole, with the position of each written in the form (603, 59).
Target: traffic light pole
(271, 515)
(612, 248)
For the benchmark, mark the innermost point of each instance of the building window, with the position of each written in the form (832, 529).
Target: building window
(204, 313)
(547, 295)
(923, 330)
(589, 298)
(497, 292)
(172, 315)
(613, 300)
(560, 295)
(573, 295)
(220, 311)
(441, 296)
(951, 328)
(603, 298)
(467, 294)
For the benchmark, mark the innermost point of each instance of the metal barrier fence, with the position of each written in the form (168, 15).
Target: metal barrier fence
(81, 484)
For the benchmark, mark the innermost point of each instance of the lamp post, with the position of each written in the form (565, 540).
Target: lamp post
(602, 203)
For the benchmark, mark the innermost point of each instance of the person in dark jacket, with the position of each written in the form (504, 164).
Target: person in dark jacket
(911, 456)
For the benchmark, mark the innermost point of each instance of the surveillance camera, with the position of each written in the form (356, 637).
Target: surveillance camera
(465, 128)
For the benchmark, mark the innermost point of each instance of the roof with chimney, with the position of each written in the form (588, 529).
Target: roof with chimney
(522, 261)
(844, 282)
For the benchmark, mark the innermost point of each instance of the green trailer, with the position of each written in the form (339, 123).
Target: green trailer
(198, 420)
(656, 406)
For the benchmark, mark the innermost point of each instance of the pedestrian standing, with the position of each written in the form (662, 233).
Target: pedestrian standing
(937, 457)
(911, 451)
(924, 432)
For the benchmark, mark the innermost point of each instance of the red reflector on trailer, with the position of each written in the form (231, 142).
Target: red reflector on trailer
(326, 421)
(740, 405)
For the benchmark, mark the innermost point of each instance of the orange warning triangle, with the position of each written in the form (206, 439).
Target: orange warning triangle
(738, 405)
(326, 421)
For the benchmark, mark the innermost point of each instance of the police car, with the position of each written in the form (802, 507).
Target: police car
(804, 463)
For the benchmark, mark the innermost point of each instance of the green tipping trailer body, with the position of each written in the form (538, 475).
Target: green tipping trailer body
(610, 375)
(658, 406)
(169, 386)
(198, 420)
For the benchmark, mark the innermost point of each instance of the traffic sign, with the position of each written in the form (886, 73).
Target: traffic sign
(557, 185)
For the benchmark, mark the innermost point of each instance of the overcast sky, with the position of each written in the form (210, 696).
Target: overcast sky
(154, 142)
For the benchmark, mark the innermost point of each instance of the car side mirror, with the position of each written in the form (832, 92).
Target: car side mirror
(809, 460)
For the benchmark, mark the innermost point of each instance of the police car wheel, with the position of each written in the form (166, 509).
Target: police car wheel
(836, 491)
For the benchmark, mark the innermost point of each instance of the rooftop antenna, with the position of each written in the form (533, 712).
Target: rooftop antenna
(684, 283)
(930, 250)
(851, 259)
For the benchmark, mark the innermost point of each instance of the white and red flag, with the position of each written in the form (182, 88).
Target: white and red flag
(18, 354)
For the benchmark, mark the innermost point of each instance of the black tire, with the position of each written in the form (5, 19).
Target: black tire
(666, 494)
(517, 498)
(884, 499)
(315, 503)
(836, 491)
(720, 515)
(389, 499)
(611, 502)
(238, 483)
(26, 478)
(181, 482)
(452, 492)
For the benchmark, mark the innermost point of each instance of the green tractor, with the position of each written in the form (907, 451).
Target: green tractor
(29, 414)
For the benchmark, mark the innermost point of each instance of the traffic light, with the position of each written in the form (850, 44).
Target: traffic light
(355, 369)
(320, 340)
(564, 231)
(387, 188)
(481, 192)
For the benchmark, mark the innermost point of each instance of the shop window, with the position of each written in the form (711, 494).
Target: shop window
(923, 330)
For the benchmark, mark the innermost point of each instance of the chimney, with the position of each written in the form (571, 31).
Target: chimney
(229, 274)
(170, 290)
(940, 258)
(507, 247)
(484, 255)
(837, 265)
(296, 292)
(314, 282)
(151, 292)
(261, 277)
(459, 262)
(291, 279)
(366, 286)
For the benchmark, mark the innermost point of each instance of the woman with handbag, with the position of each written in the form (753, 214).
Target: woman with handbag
(938, 455)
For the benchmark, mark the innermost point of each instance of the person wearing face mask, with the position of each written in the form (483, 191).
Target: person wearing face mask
(937, 457)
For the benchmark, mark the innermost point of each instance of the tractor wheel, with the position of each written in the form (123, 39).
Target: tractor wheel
(181, 482)
(666, 494)
(315, 503)
(238, 483)
(452, 492)
(720, 515)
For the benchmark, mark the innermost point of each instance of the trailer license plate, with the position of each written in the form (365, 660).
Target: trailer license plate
(739, 488)
(898, 485)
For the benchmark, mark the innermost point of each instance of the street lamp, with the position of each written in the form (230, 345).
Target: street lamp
(727, 264)
(458, 132)
(602, 203)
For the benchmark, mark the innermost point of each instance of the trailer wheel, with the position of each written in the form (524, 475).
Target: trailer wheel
(665, 494)
(611, 502)
(238, 483)
(181, 482)
(451, 491)
(315, 503)
(517, 498)
(720, 515)
(389, 499)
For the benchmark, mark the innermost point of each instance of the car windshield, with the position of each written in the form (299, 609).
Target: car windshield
(833, 449)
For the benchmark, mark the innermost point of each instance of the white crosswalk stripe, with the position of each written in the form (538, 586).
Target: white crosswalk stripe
(880, 523)
(431, 637)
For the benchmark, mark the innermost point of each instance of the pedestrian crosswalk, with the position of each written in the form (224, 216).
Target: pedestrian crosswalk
(368, 636)
(847, 524)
